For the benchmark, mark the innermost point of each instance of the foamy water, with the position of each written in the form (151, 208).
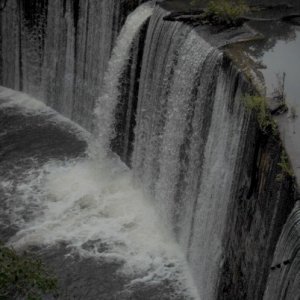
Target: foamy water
(91, 205)
(86, 202)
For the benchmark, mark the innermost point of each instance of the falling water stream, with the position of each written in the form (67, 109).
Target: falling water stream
(110, 94)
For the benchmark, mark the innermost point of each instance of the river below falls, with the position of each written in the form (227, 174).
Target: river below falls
(80, 212)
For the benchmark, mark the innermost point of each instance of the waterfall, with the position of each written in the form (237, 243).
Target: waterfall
(189, 123)
(161, 46)
(107, 102)
(217, 178)
(78, 45)
(185, 90)
(203, 182)
(61, 50)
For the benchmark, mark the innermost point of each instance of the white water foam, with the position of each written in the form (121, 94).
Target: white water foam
(82, 202)
(91, 205)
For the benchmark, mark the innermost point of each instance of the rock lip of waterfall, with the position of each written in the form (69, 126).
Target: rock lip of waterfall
(186, 6)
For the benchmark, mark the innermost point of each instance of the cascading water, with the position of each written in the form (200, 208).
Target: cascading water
(78, 45)
(217, 178)
(187, 137)
(61, 50)
(106, 104)
(157, 74)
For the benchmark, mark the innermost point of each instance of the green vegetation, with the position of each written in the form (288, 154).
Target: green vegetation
(258, 104)
(227, 9)
(221, 12)
(23, 277)
(284, 164)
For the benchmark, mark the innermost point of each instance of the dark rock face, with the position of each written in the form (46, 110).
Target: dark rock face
(275, 3)
(283, 281)
(256, 217)
(182, 5)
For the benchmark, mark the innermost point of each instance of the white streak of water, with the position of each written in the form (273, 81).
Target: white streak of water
(121, 54)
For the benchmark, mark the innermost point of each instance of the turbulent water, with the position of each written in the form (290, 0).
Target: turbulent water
(90, 205)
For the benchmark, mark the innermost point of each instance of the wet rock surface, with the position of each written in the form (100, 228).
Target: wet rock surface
(283, 281)
(263, 201)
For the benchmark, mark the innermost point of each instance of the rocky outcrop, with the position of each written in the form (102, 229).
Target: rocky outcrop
(284, 277)
(262, 203)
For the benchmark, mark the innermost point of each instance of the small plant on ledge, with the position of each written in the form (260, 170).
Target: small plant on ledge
(259, 106)
(228, 12)
(286, 169)
(225, 13)
(22, 277)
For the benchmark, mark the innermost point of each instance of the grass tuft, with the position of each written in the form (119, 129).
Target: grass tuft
(258, 105)
(22, 277)
(286, 169)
